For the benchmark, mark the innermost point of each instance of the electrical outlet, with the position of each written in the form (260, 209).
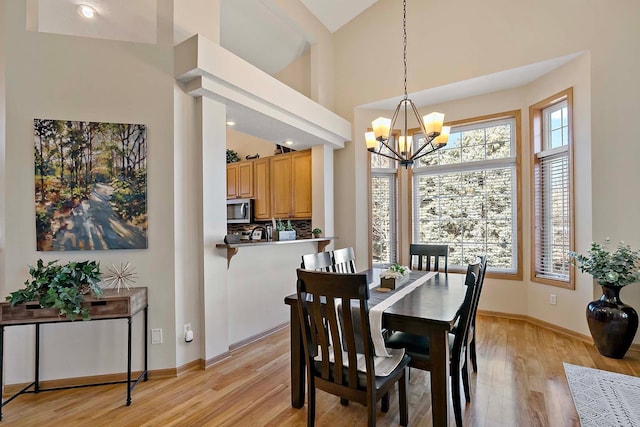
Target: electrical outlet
(156, 336)
(553, 299)
(188, 333)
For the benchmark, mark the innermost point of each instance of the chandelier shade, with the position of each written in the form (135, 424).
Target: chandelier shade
(402, 148)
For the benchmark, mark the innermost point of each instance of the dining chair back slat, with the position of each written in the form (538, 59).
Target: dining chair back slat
(330, 334)
(320, 261)
(425, 253)
(344, 260)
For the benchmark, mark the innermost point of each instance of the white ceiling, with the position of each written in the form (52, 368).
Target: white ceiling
(335, 13)
(256, 34)
(477, 86)
(254, 31)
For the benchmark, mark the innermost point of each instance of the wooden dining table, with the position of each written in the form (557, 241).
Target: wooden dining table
(429, 310)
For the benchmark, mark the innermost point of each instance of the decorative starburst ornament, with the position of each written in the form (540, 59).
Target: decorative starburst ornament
(120, 277)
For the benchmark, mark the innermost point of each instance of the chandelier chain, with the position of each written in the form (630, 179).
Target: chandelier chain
(404, 35)
(381, 140)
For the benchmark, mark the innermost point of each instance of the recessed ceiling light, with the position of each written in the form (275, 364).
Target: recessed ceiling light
(86, 11)
(231, 123)
(288, 142)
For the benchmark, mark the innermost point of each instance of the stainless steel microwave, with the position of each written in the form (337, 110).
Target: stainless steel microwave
(239, 211)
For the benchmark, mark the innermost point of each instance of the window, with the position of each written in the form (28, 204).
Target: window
(466, 194)
(383, 197)
(552, 190)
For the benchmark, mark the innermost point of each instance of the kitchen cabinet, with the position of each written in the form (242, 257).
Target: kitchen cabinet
(262, 189)
(240, 180)
(291, 185)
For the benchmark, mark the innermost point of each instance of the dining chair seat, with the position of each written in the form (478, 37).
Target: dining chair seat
(419, 345)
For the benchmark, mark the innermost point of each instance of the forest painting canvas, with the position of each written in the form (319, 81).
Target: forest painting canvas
(90, 185)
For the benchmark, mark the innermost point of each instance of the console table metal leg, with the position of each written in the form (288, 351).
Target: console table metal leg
(129, 362)
(36, 387)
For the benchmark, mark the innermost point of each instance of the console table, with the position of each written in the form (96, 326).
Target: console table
(113, 304)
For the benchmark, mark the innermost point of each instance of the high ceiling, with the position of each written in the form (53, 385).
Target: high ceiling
(249, 28)
(254, 31)
(335, 13)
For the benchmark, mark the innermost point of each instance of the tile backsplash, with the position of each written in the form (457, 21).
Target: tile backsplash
(303, 227)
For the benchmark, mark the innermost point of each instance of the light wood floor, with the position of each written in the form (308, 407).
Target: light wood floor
(520, 382)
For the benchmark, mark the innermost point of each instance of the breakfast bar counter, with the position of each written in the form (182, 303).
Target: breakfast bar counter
(232, 248)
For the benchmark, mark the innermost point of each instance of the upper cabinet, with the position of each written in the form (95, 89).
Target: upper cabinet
(291, 185)
(262, 189)
(301, 194)
(280, 185)
(240, 180)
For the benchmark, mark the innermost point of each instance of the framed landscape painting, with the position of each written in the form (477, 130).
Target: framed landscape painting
(90, 185)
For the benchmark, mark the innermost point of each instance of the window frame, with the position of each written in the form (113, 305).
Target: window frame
(514, 115)
(537, 121)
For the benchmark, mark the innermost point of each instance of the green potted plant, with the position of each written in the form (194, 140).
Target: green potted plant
(612, 323)
(232, 156)
(60, 286)
(316, 232)
(285, 231)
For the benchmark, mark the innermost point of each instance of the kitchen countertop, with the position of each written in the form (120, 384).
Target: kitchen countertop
(270, 242)
(232, 248)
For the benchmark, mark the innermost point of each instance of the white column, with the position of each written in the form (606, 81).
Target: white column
(322, 189)
(212, 117)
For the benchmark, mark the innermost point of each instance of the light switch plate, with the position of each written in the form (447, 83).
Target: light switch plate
(156, 336)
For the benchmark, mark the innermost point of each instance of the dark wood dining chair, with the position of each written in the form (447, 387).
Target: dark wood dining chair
(417, 346)
(425, 253)
(332, 364)
(320, 261)
(471, 337)
(344, 260)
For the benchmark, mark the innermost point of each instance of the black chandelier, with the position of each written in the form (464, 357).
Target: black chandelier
(435, 134)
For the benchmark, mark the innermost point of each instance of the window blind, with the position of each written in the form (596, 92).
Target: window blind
(383, 218)
(552, 215)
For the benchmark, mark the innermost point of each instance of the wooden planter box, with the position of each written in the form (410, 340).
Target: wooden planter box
(111, 305)
(393, 283)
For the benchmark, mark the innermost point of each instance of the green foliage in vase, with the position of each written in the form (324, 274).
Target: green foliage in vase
(398, 268)
(618, 268)
(61, 287)
(316, 231)
(282, 226)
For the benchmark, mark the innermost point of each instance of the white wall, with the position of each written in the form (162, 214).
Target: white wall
(3, 142)
(258, 284)
(493, 36)
(297, 75)
(569, 310)
(248, 145)
(188, 227)
(62, 77)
